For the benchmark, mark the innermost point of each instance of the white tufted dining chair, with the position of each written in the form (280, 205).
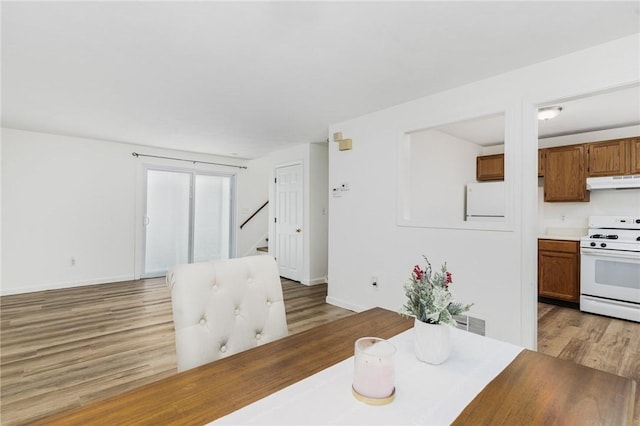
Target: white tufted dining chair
(224, 307)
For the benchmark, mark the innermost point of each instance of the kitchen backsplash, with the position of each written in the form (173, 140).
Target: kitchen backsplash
(607, 202)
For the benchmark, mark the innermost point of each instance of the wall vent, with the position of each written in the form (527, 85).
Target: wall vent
(471, 324)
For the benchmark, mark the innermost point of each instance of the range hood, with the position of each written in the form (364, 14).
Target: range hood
(613, 182)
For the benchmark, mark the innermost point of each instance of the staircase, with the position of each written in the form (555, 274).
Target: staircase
(265, 249)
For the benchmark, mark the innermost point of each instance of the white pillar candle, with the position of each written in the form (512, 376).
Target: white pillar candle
(374, 370)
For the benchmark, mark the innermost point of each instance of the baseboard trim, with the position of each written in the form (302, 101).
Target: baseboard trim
(345, 305)
(314, 281)
(66, 284)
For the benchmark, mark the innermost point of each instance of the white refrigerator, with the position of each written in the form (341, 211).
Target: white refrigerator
(485, 201)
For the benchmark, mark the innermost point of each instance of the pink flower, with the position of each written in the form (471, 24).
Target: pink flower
(449, 280)
(418, 272)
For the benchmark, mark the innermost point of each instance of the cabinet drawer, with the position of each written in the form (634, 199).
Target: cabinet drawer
(559, 245)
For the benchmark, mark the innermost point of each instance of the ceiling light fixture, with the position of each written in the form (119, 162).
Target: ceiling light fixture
(547, 113)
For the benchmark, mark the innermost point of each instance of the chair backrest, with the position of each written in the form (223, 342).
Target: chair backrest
(224, 307)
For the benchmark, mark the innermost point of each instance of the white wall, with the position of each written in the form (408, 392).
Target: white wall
(65, 197)
(253, 184)
(606, 202)
(318, 213)
(0, 211)
(441, 166)
(313, 158)
(494, 269)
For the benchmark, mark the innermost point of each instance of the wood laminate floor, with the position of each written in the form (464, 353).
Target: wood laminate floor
(64, 348)
(603, 343)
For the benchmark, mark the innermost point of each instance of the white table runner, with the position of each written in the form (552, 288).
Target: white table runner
(425, 394)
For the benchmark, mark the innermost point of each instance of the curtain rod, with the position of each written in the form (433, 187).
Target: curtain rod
(135, 154)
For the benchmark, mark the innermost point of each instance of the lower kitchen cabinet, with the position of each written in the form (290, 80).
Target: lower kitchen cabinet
(559, 270)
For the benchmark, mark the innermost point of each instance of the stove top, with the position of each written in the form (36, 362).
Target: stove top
(613, 233)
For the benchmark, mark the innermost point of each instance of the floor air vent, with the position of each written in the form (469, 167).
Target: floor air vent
(471, 324)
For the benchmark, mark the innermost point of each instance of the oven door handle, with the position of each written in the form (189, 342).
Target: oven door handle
(612, 253)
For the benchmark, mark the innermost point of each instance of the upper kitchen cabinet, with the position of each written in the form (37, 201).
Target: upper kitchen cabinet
(490, 167)
(634, 155)
(542, 153)
(565, 173)
(614, 158)
(607, 158)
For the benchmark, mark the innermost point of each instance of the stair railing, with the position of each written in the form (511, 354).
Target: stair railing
(254, 213)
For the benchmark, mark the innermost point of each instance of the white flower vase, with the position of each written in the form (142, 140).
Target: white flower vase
(432, 342)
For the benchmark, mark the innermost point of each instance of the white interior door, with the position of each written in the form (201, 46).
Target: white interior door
(288, 221)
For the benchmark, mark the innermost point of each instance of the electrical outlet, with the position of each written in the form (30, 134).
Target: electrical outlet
(73, 261)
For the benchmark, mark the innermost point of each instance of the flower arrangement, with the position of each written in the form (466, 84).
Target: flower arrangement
(429, 298)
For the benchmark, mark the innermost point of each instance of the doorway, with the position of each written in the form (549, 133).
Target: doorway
(288, 220)
(187, 218)
(584, 133)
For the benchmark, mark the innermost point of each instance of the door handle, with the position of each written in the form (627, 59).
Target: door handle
(298, 230)
(611, 254)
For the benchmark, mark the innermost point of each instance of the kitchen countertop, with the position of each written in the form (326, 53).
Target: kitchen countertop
(569, 234)
(558, 237)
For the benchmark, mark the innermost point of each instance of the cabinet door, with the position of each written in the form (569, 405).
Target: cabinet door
(559, 274)
(565, 174)
(607, 158)
(542, 153)
(633, 146)
(490, 167)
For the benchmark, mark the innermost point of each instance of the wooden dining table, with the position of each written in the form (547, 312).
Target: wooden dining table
(533, 389)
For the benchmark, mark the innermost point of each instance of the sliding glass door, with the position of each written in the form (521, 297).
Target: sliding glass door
(167, 226)
(211, 225)
(188, 218)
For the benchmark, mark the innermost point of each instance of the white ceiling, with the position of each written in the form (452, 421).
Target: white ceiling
(599, 111)
(246, 78)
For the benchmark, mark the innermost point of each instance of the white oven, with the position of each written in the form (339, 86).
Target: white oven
(610, 268)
